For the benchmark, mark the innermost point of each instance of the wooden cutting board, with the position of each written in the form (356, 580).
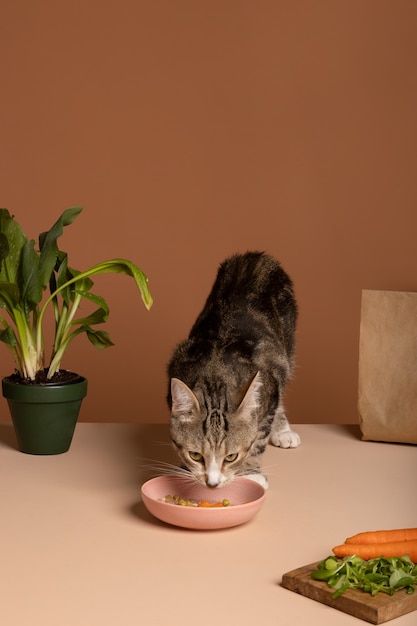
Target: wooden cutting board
(377, 610)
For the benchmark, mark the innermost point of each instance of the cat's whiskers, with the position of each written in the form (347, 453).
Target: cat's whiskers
(160, 467)
(163, 468)
(266, 470)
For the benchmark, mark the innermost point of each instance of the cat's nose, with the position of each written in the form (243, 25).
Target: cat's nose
(212, 482)
(213, 473)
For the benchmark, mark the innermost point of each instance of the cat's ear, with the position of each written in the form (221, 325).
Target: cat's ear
(250, 402)
(184, 402)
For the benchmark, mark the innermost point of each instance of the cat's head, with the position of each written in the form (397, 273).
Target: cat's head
(214, 442)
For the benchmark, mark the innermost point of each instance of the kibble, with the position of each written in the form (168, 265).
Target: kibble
(176, 499)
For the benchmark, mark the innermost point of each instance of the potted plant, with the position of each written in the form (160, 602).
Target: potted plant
(44, 400)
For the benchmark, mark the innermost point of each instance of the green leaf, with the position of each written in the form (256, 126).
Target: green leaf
(9, 296)
(11, 251)
(405, 581)
(98, 316)
(123, 266)
(8, 336)
(30, 288)
(397, 576)
(4, 248)
(120, 266)
(99, 338)
(48, 244)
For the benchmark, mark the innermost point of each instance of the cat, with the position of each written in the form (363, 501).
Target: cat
(227, 378)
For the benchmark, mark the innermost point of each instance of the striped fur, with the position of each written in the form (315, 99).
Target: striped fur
(227, 378)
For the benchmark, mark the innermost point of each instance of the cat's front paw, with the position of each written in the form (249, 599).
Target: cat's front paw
(285, 439)
(258, 478)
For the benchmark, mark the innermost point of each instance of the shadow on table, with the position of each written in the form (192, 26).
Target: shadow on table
(8, 437)
(140, 512)
(353, 430)
(156, 457)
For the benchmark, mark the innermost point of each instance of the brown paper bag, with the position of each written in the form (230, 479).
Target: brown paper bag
(387, 394)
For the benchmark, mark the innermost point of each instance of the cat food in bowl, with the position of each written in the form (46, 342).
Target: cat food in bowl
(188, 504)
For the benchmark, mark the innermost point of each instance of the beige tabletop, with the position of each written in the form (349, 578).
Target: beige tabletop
(79, 549)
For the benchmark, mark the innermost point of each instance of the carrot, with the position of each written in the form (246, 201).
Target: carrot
(375, 550)
(384, 536)
(214, 505)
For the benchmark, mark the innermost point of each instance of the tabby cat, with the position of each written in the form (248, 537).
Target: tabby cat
(227, 378)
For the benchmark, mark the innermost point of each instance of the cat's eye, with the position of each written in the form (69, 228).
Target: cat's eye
(196, 456)
(231, 457)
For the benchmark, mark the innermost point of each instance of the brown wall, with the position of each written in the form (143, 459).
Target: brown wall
(192, 130)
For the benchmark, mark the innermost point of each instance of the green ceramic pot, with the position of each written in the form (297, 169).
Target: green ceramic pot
(44, 416)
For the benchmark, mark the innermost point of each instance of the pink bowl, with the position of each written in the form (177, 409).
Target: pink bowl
(245, 496)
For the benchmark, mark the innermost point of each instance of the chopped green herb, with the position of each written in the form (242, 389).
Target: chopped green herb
(382, 574)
